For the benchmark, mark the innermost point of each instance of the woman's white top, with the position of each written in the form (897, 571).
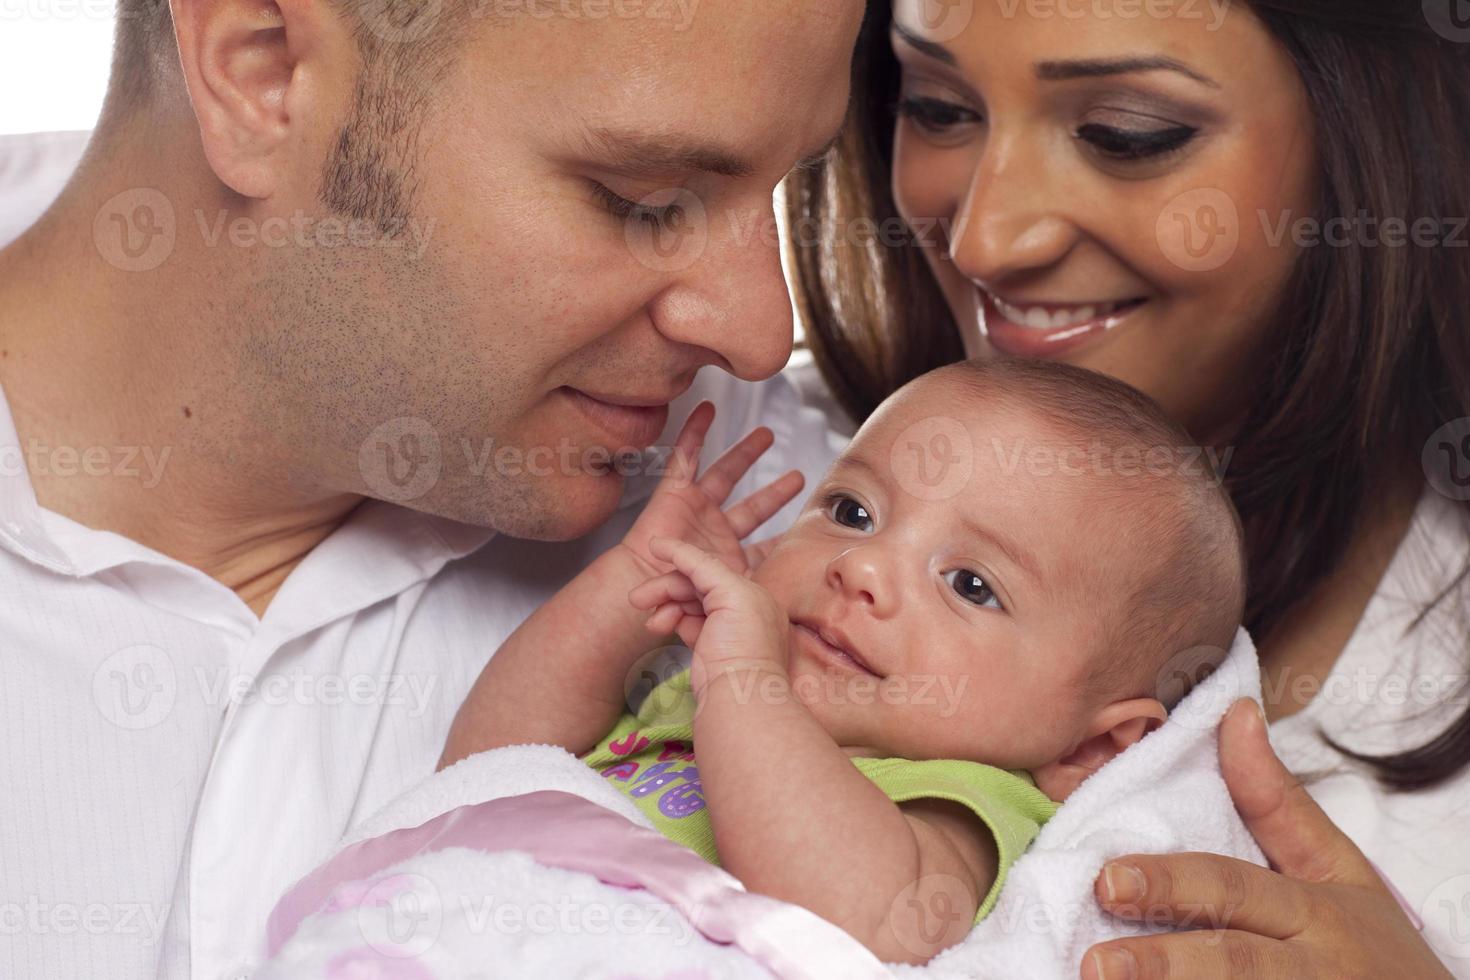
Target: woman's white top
(1395, 687)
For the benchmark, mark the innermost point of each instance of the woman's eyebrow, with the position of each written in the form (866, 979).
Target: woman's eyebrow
(924, 46)
(1056, 71)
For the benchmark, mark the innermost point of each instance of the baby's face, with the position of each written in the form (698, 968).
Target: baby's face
(962, 587)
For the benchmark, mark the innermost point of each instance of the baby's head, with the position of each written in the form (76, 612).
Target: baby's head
(1013, 563)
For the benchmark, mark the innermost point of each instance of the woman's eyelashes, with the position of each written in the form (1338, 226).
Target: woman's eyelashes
(936, 116)
(971, 588)
(1127, 145)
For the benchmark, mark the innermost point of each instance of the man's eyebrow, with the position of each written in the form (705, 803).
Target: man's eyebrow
(663, 155)
(1058, 71)
(923, 45)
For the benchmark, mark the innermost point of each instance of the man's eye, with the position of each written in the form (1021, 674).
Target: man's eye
(620, 207)
(972, 588)
(849, 513)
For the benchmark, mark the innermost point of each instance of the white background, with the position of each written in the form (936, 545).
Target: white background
(54, 60)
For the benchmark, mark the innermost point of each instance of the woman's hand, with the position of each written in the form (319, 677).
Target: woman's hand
(689, 507)
(730, 621)
(1321, 912)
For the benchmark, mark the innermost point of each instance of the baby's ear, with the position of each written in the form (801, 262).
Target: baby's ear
(1113, 729)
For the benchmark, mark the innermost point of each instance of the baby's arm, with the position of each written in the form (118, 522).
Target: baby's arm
(559, 679)
(793, 817)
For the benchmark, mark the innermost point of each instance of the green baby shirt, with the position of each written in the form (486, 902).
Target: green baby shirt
(650, 757)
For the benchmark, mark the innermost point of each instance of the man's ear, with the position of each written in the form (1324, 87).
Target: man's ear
(1113, 729)
(252, 68)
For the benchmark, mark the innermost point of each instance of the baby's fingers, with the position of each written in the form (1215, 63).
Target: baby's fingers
(665, 619)
(764, 503)
(728, 470)
(672, 587)
(703, 569)
(684, 463)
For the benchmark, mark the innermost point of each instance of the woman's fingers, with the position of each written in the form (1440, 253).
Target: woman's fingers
(764, 503)
(1204, 891)
(1296, 836)
(727, 471)
(1225, 955)
(684, 463)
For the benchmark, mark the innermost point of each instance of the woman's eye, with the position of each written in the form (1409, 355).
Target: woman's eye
(850, 513)
(935, 115)
(972, 588)
(1125, 145)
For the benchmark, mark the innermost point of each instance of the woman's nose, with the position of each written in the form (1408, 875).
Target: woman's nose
(860, 575)
(1010, 220)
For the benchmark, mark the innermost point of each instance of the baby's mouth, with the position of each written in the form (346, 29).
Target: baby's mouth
(832, 645)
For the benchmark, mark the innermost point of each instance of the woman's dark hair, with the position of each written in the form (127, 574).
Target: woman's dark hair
(1374, 342)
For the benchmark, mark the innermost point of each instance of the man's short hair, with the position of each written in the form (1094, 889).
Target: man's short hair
(406, 46)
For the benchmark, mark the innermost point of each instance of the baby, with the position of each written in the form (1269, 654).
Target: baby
(993, 593)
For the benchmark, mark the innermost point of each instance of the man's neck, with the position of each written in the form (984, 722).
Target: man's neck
(132, 413)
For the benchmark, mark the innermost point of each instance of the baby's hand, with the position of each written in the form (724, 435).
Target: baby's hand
(687, 509)
(730, 621)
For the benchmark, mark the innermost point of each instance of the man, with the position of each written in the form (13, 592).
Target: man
(339, 291)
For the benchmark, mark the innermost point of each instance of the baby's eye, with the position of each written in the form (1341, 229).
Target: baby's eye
(849, 513)
(972, 588)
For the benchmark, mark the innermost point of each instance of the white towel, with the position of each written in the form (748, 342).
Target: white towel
(1164, 794)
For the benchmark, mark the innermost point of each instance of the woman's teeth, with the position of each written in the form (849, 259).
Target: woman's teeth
(1040, 318)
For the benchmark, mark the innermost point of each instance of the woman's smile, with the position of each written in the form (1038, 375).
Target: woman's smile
(1029, 329)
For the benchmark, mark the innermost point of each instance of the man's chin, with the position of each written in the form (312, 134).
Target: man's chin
(561, 509)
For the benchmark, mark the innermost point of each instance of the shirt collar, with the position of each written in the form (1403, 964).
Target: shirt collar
(379, 551)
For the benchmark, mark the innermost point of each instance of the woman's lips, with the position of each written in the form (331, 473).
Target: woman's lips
(630, 426)
(1048, 329)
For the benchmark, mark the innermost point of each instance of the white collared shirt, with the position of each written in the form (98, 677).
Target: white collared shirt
(172, 763)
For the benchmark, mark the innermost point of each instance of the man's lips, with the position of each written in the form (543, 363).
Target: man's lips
(631, 420)
(831, 644)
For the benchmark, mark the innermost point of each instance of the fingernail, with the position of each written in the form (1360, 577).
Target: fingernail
(1114, 964)
(1125, 883)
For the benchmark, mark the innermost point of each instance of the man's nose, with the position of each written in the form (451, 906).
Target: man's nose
(862, 577)
(732, 300)
(1011, 219)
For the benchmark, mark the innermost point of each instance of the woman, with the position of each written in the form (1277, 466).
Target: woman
(1253, 214)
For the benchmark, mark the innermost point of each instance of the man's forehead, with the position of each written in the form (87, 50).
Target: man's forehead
(746, 69)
